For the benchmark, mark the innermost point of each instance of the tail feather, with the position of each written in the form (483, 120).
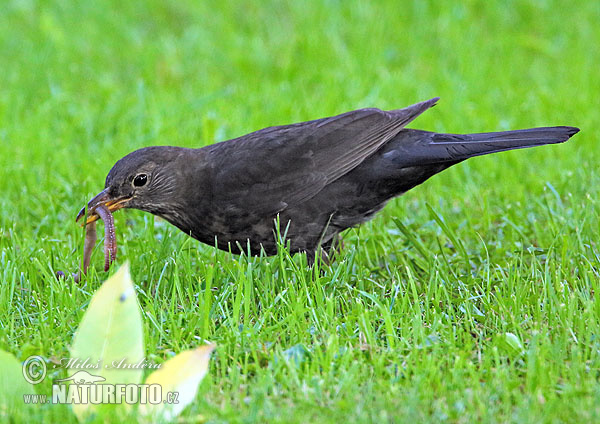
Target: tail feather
(438, 148)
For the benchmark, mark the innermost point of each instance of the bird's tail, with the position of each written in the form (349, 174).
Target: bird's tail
(438, 148)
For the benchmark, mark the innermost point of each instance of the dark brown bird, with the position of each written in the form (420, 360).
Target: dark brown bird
(317, 178)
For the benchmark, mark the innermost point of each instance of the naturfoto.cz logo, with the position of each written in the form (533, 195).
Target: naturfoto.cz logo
(83, 387)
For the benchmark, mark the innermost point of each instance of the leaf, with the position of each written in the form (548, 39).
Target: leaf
(110, 335)
(296, 354)
(513, 341)
(510, 344)
(181, 374)
(12, 385)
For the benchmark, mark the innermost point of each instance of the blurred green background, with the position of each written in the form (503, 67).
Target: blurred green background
(84, 83)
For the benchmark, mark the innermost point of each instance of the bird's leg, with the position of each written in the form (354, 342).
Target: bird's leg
(326, 252)
(321, 253)
(335, 247)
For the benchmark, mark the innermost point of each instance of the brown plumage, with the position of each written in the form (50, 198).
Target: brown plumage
(318, 177)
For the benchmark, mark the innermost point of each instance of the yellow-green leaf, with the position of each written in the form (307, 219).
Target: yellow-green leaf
(13, 386)
(180, 377)
(109, 339)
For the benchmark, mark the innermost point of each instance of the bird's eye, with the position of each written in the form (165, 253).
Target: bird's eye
(140, 180)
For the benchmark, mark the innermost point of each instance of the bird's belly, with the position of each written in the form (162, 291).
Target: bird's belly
(243, 233)
(239, 228)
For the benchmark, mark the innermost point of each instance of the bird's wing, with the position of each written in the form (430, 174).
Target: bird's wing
(270, 169)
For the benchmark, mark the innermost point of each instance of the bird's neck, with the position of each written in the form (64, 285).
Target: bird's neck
(190, 204)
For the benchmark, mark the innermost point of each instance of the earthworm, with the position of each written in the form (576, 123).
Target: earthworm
(88, 246)
(110, 240)
(110, 243)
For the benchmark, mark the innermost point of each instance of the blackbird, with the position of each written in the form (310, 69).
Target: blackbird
(314, 179)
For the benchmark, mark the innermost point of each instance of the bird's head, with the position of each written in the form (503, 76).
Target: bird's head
(144, 179)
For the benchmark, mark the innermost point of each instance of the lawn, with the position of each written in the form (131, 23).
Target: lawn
(470, 298)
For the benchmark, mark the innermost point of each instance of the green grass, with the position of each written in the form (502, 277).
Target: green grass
(409, 324)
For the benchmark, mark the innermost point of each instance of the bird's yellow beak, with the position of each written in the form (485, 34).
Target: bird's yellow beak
(104, 198)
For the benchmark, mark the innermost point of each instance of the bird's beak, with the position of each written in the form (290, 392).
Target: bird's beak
(102, 198)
